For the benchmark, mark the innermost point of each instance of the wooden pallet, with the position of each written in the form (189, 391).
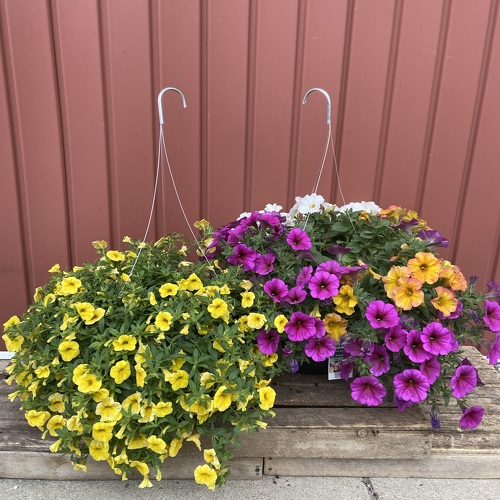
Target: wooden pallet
(318, 431)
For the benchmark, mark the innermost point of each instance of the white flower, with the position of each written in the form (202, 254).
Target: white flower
(365, 206)
(309, 204)
(244, 215)
(273, 207)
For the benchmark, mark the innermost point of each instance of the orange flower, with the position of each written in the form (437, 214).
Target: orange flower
(446, 302)
(335, 326)
(392, 278)
(408, 294)
(425, 267)
(453, 278)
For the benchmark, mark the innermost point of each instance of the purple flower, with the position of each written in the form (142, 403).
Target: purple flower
(493, 353)
(294, 365)
(296, 295)
(472, 417)
(395, 338)
(367, 391)
(300, 327)
(243, 256)
(401, 405)
(268, 341)
(411, 385)
(414, 347)
(492, 315)
(320, 349)
(379, 360)
(323, 285)
(494, 292)
(453, 315)
(435, 422)
(346, 370)
(359, 347)
(287, 349)
(480, 383)
(431, 368)
(276, 289)
(338, 250)
(298, 239)
(436, 339)
(406, 225)
(264, 264)
(320, 328)
(304, 276)
(331, 266)
(464, 381)
(381, 315)
(433, 238)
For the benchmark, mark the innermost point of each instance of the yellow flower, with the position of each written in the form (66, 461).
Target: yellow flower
(70, 286)
(56, 402)
(453, 278)
(162, 409)
(211, 458)
(243, 324)
(279, 322)
(217, 308)
(202, 225)
(408, 294)
(446, 301)
(103, 431)
(132, 403)
(36, 418)
(206, 379)
(270, 359)
(88, 383)
(115, 256)
(256, 321)
(68, 350)
(120, 371)
(15, 344)
(345, 300)
(266, 396)
(68, 320)
(204, 474)
(109, 410)
(55, 423)
(222, 400)
(335, 326)
(425, 267)
(85, 310)
(141, 441)
(178, 379)
(157, 444)
(74, 424)
(175, 446)
(56, 268)
(13, 320)
(247, 299)
(147, 414)
(152, 298)
(168, 290)
(79, 371)
(391, 280)
(192, 283)
(98, 314)
(163, 321)
(99, 244)
(124, 343)
(140, 375)
(99, 450)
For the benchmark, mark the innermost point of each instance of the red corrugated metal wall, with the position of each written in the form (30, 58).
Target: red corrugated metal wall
(416, 118)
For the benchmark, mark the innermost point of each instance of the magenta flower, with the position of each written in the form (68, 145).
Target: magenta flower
(294, 365)
(359, 347)
(331, 266)
(411, 385)
(492, 315)
(243, 256)
(276, 289)
(320, 349)
(300, 327)
(264, 264)
(367, 391)
(401, 405)
(298, 239)
(323, 285)
(381, 315)
(464, 381)
(268, 341)
(431, 368)
(493, 353)
(414, 347)
(379, 360)
(395, 338)
(304, 276)
(320, 328)
(296, 295)
(472, 417)
(433, 238)
(437, 339)
(346, 369)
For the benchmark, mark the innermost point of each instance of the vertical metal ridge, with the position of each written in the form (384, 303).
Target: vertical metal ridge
(204, 107)
(64, 133)
(346, 60)
(297, 99)
(250, 104)
(388, 97)
(114, 212)
(476, 119)
(17, 152)
(433, 105)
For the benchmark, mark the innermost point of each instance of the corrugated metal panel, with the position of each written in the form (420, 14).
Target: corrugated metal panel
(416, 117)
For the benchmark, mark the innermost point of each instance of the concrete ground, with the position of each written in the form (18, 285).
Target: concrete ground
(269, 488)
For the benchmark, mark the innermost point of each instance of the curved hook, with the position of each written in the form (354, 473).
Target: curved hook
(160, 110)
(329, 108)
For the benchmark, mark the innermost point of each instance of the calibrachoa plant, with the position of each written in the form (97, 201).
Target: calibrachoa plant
(370, 279)
(128, 367)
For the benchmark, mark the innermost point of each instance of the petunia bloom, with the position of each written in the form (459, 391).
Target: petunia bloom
(472, 417)
(463, 381)
(304, 276)
(300, 327)
(323, 285)
(296, 295)
(268, 342)
(407, 294)
(276, 289)
(298, 239)
(425, 267)
(264, 264)
(414, 347)
(379, 360)
(243, 256)
(368, 391)
(381, 315)
(411, 385)
(431, 368)
(492, 315)
(395, 338)
(437, 339)
(433, 238)
(446, 302)
(320, 349)
(493, 353)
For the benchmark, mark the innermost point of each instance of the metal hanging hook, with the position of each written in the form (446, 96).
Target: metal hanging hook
(329, 105)
(160, 110)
